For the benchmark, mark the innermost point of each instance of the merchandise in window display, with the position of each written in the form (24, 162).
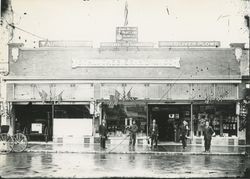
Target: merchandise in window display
(222, 120)
(202, 117)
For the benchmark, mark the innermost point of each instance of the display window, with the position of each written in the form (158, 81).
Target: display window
(222, 117)
(119, 118)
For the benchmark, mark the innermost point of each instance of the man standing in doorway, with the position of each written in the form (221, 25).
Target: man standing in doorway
(154, 133)
(184, 134)
(208, 133)
(103, 133)
(133, 130)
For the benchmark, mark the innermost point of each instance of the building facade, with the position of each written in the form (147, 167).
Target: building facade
(63, 92)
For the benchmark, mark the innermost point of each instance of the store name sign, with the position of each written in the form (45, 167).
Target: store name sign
(58, 43)
(126, 34)
(189, 43)
(168, 62)
(127, 44)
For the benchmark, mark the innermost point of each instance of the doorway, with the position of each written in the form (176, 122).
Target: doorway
(35, 120)
(169, 118)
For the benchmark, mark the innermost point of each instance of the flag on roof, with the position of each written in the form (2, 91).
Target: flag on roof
(126, 14)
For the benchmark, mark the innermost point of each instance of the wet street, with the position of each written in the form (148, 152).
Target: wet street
(18, 165)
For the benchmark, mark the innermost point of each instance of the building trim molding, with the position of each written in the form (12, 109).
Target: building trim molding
(142, 81)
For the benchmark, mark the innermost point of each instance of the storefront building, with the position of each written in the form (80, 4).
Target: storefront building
(62, 93)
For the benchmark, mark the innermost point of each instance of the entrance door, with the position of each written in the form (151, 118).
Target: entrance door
(169, 118)
(165, 124)
(35, 120)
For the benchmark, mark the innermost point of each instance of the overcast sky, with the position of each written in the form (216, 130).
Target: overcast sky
(157, 20)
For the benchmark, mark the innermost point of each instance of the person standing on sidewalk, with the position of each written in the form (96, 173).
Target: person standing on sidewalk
(132, 132)
(184, 134)
(208, 133)
(103, 134)
(154, 133)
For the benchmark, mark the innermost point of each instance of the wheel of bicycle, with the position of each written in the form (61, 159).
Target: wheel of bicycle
(20, 142)
(6, 143)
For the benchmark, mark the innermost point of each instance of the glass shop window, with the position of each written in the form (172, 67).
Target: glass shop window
(222, 117)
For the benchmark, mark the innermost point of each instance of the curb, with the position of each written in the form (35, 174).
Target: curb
(176, 144)
(134, 152)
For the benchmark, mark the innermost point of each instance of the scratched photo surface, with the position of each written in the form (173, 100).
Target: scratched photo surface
(124, 89)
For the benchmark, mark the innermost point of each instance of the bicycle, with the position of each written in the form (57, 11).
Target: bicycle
(16, 143)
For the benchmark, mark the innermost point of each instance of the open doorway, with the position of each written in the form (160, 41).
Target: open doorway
(169, 118)
(34, 120)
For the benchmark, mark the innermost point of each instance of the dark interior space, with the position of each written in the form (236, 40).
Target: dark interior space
(72, 111)
(169, 118)
(36, 120)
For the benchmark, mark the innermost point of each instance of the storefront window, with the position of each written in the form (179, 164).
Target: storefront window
(120, 117)
(222, 118)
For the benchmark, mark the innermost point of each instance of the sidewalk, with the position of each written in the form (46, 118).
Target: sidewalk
(172, 149)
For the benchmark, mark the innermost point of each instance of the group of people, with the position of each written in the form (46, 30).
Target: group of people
(208, 132)
(154, 133)
(133, 129)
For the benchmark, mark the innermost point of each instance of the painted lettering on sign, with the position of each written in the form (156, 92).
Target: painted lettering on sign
(58, 43)
(189, 43)
(170, 62)
(126, 44)
(126, 34)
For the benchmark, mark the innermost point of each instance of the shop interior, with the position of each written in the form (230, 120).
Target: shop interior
(169, 118)
(35, 120)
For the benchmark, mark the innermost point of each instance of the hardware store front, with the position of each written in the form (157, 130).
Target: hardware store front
(119, 103)
(121, 84)
(195, 102)
(46, 112)
(221, 116)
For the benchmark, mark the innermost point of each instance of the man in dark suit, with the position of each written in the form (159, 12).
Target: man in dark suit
(208, 133)
(133, 130)
(103, 133)
(154, 133)
(184, 133)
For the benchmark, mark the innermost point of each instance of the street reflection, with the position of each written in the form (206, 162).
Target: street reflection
(95, 165)
(132, 160)
(207, 160)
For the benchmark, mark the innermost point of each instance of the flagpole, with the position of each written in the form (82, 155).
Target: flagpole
(126, 14)
(52, 116)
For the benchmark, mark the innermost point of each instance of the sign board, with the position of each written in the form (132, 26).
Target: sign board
(36, 127)
(56, 43)
(126, 34)
(189, 43)
(166, 62)
(127, 44)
